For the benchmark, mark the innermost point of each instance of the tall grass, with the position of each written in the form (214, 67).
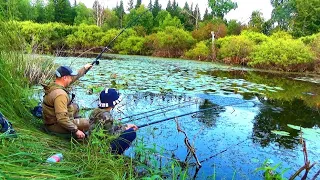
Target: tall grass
(24, 157)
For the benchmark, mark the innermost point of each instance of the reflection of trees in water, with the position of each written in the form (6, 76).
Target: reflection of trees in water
(209, 117)
(276, 115)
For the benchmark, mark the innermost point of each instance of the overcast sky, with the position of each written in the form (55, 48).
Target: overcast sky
(242, 13)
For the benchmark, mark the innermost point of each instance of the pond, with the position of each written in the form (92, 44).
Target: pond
(246, 117)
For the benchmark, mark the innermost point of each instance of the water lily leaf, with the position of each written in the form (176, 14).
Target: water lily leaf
(281, 133)
(294, 127)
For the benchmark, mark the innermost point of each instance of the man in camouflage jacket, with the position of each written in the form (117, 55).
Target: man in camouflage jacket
(59, 113)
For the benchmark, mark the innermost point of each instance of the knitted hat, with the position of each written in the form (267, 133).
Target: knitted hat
(65, 71)
(108, 98)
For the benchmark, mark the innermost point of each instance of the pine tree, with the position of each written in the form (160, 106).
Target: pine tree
(156, 8)
(206, 15)
(130, 5)
(150, 5)
(169, 7)
(120, 13)
(138, 4)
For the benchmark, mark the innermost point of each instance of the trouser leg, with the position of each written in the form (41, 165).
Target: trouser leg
(123, 142)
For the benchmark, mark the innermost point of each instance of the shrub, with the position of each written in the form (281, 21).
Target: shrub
(282, 54)
(85, 36)
(131, 45)
(235, 49)
(172, 42)
(256, 37)
(200, 52)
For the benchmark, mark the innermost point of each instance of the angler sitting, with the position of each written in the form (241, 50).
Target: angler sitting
(101, 118)
(59, 113)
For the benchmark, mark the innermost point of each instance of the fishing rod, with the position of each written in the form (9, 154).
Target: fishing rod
(158, 110)
(107, 46)
(156, 122)
(153, 114)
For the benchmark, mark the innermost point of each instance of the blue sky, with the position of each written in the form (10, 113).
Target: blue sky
(242, 13)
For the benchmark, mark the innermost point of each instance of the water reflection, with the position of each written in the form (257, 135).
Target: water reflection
(276, 115)
(209, 117)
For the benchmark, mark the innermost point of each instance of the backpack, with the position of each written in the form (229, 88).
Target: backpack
(6, 127)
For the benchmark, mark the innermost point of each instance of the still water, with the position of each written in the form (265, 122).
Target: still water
(254, 116)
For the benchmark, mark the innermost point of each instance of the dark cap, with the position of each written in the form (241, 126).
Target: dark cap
(65, 71)
(108, 98)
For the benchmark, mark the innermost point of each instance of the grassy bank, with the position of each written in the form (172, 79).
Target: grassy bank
(24, 157)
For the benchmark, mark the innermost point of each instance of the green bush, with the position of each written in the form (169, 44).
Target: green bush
(44, 37)
(256, 37)
(235, 49)
(199, 52)
(112, 33)
(282, 54)
(131, 45)
(172, 42)
(85, 36)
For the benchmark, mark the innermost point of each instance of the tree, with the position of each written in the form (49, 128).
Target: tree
(169, 7)
(120, 13)
(83, 15)
(282, 13)
(307, 18)
(98, 13)
(150, 6)
(111, 20)
(130, 5)
(156, 8)
(160, 17)
(63, 11)
(234, 27)
(138, 4)
(50, 11)
(256, 21)
(145, 21)
(207, 15)
(169, 21)
(40, 11)
(221, 7)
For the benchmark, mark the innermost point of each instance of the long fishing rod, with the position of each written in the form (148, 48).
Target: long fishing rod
(107, 46)
(156, 122)
(153, 114)
(158, 110)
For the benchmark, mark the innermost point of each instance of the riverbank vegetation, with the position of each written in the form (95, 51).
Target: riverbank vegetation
(289, 41)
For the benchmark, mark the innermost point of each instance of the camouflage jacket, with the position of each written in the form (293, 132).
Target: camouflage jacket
(56, 104)
(101, 118)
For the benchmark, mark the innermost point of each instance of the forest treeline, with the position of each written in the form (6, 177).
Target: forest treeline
(289, 41)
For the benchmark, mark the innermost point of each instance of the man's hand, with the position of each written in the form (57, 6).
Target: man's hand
(133, 126)
(80, 134)
(88, 66)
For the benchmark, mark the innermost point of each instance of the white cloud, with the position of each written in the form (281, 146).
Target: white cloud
(242, 13)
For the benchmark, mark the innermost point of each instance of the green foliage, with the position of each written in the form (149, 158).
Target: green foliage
(282, 13)
(44, 37)
(85, 36)
(234, 27)
(281, 35)
(307, 18)
(270, 172)
(145, 20)
(131, 45)
(200, 52)
(282, 54)
(169, 21)
(83, 15)
(111, 20)
(235, 49)
(221, 7)
(160, 17)
(172, 42)
(256, 37)
(256, 21)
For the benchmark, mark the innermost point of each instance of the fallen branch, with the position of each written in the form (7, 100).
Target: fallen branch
(191, 149)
